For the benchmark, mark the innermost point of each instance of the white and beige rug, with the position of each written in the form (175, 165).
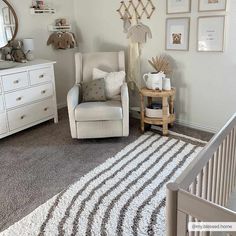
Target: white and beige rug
(125, 196)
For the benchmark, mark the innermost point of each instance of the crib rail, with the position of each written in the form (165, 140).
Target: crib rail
(202, 192)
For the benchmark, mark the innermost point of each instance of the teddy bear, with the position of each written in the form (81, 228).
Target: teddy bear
(6, 54)
(177, 38)
(17, 52)
(61, 22)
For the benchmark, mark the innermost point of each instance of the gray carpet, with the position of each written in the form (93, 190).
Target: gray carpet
(40, 162)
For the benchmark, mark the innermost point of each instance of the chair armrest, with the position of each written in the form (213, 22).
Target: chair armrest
(125, 108)
(73, 97)
(72, 102)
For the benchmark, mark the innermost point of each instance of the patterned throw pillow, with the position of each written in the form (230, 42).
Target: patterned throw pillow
(94, 91)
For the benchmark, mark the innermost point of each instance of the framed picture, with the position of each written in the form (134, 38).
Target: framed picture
(212, 5)
(177, 33)
(211, 33)
(6, 16)
(178, 6)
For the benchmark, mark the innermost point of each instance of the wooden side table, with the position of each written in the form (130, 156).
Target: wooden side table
(167, 103)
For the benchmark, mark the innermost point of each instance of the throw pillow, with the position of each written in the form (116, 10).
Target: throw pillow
(94, 90)
(113, 82)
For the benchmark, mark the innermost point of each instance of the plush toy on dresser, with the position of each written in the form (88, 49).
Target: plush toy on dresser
(17, 52)
(6, 54)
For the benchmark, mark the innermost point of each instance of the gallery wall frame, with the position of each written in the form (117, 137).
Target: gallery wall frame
(211, 33)
(177, 34)
(212, 5)
(178, 6)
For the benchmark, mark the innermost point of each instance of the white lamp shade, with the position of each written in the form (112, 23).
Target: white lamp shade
(28, 44)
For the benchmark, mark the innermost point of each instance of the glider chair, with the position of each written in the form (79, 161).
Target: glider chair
(98, 119)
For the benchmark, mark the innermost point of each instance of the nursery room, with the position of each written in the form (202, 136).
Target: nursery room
(117, 118)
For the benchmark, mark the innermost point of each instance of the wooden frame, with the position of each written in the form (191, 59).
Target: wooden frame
(11, 10)
(221, 49)
(206, 184)
(178, 12)
(210, 10)
(187, 35)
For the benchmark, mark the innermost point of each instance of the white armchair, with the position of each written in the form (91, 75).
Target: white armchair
(98, 119)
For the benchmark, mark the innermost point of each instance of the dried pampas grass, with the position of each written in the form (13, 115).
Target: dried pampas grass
(161, 63)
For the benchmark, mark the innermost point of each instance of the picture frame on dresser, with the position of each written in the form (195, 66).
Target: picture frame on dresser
(177, 33)
(211, 33)
(178, 6)
(212, 5)
(27, 96)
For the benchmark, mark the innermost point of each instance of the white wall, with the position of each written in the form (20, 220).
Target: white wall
(36, 27)
(205, 82)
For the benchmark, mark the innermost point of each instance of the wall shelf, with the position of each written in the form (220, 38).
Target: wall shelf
(54, 28)
(34, 11)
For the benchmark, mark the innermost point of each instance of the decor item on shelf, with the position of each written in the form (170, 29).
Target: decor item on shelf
(17, 53)
(28, 45)
(177, 34)
(154, 80)
(161, 63)
(139, 32)
(139, 8)
(62, 40)
(155, 111)
(211, 33)
(166, 84)
(212, 5)
(39, 7)
(178, 6)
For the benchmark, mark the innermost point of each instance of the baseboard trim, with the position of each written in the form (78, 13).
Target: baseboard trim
(135, 113)
(197, 126)
(61, 105)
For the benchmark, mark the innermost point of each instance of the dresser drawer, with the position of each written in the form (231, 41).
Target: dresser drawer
(28, 95)
(41, 75)
(24, 116)
(15, 81)
(3, 124)
(1, 103)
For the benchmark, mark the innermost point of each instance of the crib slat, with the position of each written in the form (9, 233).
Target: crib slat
(231, 162)
(214, 177)
(234, 158)
(221, 200)
(225, 172)
(205, 182)
(210, 171)
(219, 172)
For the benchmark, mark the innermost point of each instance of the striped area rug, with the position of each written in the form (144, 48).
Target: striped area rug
(122, 197)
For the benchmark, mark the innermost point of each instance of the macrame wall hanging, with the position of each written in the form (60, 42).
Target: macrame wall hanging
(136, 8)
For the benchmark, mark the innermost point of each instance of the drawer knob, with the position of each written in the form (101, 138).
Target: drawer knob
(43, 92)
(22, 117)
(16, 82)
(46, 109)
(41, 76)
(18, 99)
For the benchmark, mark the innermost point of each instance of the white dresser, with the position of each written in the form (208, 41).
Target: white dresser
(27, 96)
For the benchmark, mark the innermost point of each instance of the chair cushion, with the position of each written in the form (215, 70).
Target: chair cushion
(99, 111)
(94, 91)
(113, 82)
